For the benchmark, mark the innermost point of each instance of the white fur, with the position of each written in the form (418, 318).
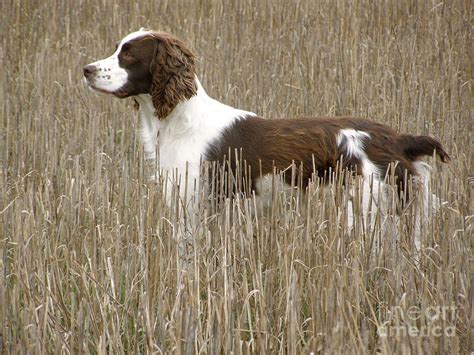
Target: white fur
(372, 188)
(355, 148)
(150, 126)
(109, 76)
(181, 139)
(429, 202)
(267, 185)
(355, 143)
(183, 136)
(422, 179)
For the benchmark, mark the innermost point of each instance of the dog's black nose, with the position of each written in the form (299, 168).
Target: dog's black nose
(89, 70)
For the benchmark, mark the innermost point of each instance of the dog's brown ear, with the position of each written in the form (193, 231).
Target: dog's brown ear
(173, 74)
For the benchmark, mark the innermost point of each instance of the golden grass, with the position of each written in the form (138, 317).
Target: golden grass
(89, 250)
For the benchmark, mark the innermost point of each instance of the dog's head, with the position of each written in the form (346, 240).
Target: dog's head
(147, 62)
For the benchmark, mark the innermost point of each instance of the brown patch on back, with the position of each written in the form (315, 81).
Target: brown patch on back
(269, 144)
(311, 144)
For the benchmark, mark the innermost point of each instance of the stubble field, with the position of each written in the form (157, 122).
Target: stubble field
(89, 250)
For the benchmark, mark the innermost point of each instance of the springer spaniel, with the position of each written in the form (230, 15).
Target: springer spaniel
(186, 126)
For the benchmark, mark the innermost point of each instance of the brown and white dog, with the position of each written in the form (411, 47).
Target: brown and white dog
(185, 126)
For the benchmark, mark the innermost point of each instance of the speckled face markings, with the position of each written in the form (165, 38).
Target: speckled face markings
(106, 75)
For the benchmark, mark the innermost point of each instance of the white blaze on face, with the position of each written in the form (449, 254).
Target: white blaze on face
(109, 76)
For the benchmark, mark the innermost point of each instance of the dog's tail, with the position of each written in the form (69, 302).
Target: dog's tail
(414, 147)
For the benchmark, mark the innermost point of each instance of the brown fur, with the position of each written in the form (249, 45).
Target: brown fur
(266, 145)
(311, 144)
(173, 71)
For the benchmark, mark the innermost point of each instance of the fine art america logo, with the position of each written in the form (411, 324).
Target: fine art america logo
(430, 321)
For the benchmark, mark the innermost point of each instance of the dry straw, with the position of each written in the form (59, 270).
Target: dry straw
(90, 251)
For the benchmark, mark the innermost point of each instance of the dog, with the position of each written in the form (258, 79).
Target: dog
(185, 127)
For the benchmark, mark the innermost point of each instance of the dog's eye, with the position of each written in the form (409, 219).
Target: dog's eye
(127, 55)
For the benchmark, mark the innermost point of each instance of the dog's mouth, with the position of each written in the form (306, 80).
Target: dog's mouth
(120, 93)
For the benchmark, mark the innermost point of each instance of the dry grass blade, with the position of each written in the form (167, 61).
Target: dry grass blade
(90, 252)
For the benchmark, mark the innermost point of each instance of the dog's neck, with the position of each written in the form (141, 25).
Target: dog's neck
(199, 118)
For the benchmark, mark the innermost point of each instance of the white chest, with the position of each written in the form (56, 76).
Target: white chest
(181, 139)
(178, 150)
